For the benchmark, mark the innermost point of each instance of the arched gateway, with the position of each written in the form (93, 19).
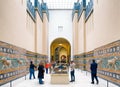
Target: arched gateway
(60, 50)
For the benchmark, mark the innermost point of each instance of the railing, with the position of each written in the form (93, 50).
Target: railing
(107, 81)
(87, 73)
(11, 82)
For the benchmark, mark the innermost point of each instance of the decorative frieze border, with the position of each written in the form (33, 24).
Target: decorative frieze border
(108, 59)
(14, 74)
(112, 49)
(79, 59)
(109, 74)
(14, 62)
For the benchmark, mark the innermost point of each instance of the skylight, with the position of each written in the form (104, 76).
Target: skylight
(60, 4)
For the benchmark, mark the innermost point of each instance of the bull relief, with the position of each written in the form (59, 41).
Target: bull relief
(13, 62)
(108, 59)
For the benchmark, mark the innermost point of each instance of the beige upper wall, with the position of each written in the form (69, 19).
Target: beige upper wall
(90, 33)
(75, 34)
(103, 26)
(81, 32)
(119, 12)
(106, 22)
(45, 34)
(13, 24)
(39, 28)
(30, 34)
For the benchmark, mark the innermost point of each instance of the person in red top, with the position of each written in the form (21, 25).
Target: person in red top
(47, 65)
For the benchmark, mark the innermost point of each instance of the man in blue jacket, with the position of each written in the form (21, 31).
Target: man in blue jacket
(93, 68)
(31, 70)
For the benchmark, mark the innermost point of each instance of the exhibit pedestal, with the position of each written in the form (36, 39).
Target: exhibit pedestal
(59, 78)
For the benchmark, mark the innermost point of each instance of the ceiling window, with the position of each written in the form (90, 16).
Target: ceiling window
(60, 4)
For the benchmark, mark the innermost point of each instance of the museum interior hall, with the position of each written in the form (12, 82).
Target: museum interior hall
(67, 42)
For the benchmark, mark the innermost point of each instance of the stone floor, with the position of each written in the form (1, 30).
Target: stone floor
(83, 79)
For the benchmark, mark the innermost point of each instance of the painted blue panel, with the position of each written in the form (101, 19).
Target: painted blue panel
(36, 3)
(30, 8)
(89, 8)
(79, 6)
(75, 8)
(39, 9)
(45, 9)
(84, 3)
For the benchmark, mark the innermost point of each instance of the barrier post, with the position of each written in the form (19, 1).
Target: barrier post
(25, 77)
(107, 83)
(10, 83)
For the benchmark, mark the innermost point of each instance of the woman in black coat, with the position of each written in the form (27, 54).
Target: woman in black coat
(40, 72)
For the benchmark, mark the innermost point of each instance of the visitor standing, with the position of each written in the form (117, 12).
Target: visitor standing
(72, 71)
(47, 66)
(93, 68)
(31, 70)
(41, 72)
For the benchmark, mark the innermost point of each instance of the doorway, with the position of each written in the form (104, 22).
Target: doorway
(60, 51)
